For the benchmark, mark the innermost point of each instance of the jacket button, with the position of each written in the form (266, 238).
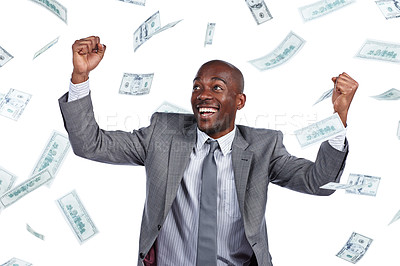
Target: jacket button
(141, 255)
(159, 227)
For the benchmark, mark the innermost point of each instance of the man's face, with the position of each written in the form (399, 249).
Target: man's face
(216, 98)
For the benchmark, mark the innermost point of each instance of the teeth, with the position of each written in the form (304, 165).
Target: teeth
(207, 110)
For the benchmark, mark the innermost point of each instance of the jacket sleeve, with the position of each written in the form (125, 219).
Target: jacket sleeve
(303, 175)
(91, 142)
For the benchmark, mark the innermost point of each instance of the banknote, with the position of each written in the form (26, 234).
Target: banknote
(7, 180)
(33, 232)
(336, 186)
(53, 155)
(77, 216)
(320, 131)
(55, 7)
(389, 8)
(322, 8)
(378, 50)
(391, 94)
(14, 103)
(137, 2)
(136, 84)
(395, 218)
(46, 47)
(16, 262)
(209, 34)
(149, 28)
(367, 185)
(259, 10)
(167, 107)
(4, 57)
(398, 130)
(286, 49)
(324, 96)
(25, 188)
(355, 248)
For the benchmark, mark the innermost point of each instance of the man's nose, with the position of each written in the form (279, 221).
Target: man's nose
(205, 94)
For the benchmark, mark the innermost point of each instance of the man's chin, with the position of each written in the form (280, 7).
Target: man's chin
(209, 129)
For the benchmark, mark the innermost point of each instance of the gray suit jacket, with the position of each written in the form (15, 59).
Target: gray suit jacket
(258, 157)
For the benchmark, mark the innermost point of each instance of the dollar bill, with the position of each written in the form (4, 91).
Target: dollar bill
(336, 186)
(167, 107)
(398, 130)
(136, 84)
(53, 155)
(77, 216)
(355, 248)
(25, 188)
(324, 96)
(322, 8)
(395, 218)
(16, 262)
(55, 7)
(320, 131)
(7, 180)
(4, 56)
(286, 49)
(14, 103)
(389, 95)
(377, 50)
(33, 232)
(209, 34)
(137, 2)
(46, 47)
(389, 8)
(259, 10)
(366, 185)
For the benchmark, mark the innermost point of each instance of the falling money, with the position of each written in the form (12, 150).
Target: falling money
(355, 248)
(286, 49)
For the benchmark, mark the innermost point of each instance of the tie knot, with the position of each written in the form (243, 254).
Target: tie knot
(213, 145)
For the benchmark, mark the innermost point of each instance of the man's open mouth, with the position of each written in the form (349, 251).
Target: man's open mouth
(207, 111)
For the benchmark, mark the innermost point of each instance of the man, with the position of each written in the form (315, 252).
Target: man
(179, 211)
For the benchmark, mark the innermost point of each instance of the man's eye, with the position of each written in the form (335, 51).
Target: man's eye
(217, 88)
(195, 88)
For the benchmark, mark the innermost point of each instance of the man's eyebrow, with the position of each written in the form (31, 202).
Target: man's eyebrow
(217, 78)
(213, 78)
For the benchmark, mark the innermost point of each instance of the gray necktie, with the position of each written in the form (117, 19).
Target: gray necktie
(207, 238)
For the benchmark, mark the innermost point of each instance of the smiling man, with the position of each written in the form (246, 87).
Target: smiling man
(206, 177)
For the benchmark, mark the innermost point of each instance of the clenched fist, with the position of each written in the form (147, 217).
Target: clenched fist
(87, 54)
(343, 93)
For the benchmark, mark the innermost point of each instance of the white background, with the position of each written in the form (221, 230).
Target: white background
(303, 229)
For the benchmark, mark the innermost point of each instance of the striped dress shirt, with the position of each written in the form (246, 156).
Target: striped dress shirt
(177, 241)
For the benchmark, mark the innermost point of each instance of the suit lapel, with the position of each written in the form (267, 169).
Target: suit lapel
(241, 161)
(181, 147)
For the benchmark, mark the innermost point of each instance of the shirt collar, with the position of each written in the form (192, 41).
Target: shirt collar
(224, 142)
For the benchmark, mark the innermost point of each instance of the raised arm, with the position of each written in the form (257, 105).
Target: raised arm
(87, 139)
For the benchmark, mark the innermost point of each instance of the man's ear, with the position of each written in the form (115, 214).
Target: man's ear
(241, 100)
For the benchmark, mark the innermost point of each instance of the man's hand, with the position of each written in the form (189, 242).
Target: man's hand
(87, 54)
(343, 93)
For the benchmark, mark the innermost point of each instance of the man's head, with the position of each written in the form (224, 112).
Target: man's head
(217, 95)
